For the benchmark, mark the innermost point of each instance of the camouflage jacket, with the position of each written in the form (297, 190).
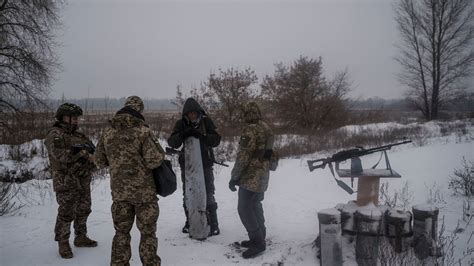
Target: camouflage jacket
(69, 171)
(128, 149)
(250, 170)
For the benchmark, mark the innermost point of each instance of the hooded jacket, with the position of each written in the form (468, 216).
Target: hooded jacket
(128, 149)
(210, 138)
(250, 170)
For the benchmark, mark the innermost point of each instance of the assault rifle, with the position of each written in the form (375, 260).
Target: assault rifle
(356, 166)
(171, 151)
(89, 147)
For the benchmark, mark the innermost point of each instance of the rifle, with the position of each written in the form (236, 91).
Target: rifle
(171, 151)
(348, 154)
(89, 146)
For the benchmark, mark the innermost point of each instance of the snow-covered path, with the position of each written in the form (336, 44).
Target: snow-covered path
(291, 204)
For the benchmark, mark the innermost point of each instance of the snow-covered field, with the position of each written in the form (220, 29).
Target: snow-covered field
(291, 204)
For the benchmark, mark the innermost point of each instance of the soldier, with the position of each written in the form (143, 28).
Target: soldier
(195, 122)
(128, 149)
(71, 162)
(251, 174)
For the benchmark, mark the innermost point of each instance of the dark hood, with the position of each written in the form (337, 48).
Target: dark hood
(192, 105)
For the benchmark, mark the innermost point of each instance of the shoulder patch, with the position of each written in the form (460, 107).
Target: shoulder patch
(244, 141)
(58, 142)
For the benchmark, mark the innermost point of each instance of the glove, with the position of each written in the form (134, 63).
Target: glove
(192, 132)
(232, 184)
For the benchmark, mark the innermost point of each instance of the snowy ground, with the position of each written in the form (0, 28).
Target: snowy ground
(291, 204)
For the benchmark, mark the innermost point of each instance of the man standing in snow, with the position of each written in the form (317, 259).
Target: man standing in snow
(69, 153)
(129, 150)
(196, 123)
(251, 174)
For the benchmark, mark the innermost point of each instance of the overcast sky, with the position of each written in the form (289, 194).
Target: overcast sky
(119, 48)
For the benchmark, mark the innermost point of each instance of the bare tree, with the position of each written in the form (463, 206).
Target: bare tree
(436, 51)
(302, 96)
(27, 58)
(223, 94)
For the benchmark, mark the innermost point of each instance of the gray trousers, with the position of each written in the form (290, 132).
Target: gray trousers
(251, 211)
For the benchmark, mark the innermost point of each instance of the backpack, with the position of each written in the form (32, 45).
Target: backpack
(165, 179)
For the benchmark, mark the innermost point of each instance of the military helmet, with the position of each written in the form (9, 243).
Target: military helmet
(69, 109)
(135, 102)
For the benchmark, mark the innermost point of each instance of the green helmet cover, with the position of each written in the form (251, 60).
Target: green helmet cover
(68, 109)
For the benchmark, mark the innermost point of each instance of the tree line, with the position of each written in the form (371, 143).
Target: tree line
(298, 95)
(436, 55)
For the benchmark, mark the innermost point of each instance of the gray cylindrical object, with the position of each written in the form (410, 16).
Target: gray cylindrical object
(384, 209)
(399, 229)
(425, 230)
(368, 223)
(347, 218)
(331, 239)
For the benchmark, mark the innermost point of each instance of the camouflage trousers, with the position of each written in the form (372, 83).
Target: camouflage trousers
(123, 215)
(73, 206)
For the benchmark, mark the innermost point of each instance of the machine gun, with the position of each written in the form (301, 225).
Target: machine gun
(171, 151)
(356, 165)
(89, 147)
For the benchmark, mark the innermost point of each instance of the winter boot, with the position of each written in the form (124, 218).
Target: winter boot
(258, 245)
(84, 241)
(185, 229)
(212, 219)
(214, 230)
(246, 243)
(65, 249)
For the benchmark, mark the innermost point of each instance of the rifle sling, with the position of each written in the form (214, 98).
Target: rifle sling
(341, 184)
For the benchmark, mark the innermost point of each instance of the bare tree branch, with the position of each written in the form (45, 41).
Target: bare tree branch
(436, 51)
(27, 59)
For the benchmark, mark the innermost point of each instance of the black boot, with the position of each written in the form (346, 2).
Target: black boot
(249, 243)
(214, 230)
(258, 245)
(212, 219)
(246, 243)
(185, 229)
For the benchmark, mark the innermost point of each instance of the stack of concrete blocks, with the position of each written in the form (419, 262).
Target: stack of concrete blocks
(371, 226)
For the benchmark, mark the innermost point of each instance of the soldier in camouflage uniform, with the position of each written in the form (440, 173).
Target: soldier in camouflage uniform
(71, 169)
(130, 152)
(251, 174)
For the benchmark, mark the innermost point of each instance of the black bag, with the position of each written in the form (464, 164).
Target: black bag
(165, 179)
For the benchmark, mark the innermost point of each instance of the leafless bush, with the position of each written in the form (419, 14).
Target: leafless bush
(467, 209)
(8, 191)
(447, 246)
(435, 196)
(463, 179)
(400, 199)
